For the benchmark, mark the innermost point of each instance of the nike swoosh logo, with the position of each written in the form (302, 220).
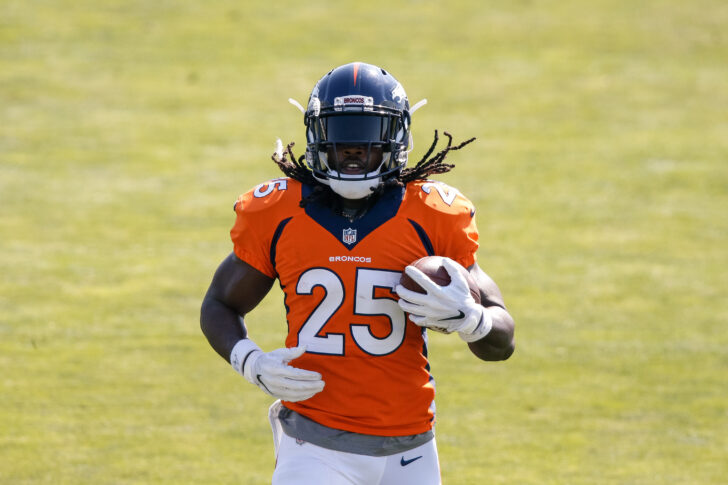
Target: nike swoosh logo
(262, 383)
(404, 462)
(456, 317)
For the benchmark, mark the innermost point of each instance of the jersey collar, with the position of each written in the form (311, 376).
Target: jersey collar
(350, 233)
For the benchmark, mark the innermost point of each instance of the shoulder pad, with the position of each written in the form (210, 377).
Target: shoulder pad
(439, 196)
(268, 194)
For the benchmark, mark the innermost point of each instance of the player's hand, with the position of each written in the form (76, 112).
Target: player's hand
(445, 309)
(270, 371)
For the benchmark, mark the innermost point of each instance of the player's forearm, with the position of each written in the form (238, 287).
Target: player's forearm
(221, 325)
(499, 344)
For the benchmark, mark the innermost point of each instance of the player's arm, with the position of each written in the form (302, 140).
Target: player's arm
(499, 343)
(236, 289)
(486, 326)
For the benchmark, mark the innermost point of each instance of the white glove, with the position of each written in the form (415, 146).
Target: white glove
(445, 309)
(270, 371)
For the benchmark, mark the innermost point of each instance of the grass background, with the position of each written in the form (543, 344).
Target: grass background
(128, 128)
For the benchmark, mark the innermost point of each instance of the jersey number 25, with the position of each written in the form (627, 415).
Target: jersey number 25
(365, 303)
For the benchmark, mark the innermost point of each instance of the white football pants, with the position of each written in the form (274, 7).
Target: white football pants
(302, 463)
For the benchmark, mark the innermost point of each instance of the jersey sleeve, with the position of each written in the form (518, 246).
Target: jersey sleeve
(450, 221)
(258, 213)
(458, 235)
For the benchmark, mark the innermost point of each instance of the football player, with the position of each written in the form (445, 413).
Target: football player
(353, 388)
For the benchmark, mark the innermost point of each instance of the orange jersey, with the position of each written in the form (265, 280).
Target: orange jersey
(338, 276)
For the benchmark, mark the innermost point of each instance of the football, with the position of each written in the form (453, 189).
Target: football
(432, 266)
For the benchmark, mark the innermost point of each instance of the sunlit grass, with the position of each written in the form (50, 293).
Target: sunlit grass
(127, 129)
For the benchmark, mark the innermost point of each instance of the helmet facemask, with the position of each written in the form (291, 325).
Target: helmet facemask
(380, 139)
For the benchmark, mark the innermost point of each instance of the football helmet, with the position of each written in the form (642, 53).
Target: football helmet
(357, 106)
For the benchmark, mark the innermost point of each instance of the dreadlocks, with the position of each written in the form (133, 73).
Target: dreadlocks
(297, 170)
(294, 168)
(429, 166)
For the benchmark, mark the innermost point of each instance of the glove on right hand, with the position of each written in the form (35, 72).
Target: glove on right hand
(270, 371)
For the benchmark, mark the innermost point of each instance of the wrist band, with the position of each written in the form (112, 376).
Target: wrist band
(484, 326)
(240, 353)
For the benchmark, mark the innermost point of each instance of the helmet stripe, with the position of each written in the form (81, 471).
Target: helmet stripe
(356, 71)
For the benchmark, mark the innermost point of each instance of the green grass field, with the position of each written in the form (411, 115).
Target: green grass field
(128, 128)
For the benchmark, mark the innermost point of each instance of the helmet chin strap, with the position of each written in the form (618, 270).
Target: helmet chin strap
(352, 186)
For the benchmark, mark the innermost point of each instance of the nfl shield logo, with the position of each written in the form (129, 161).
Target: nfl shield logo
(349, 236)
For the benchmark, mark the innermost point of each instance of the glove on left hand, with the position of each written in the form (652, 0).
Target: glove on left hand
(445, 309)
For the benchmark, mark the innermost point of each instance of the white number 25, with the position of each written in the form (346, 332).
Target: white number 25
(365, 303)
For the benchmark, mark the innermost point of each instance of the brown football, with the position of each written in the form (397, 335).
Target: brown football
(433, 268)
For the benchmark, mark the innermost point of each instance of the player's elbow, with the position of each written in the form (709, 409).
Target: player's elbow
(206, 309)
(508, 351)
(500, 343)
(487, 351)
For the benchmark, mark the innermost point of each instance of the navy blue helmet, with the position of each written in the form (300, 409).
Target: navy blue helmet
(363, 105)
